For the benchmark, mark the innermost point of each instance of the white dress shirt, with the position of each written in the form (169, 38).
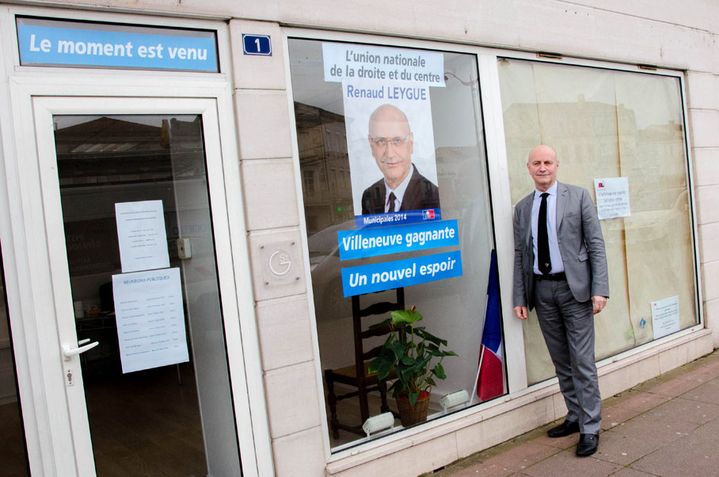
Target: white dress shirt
(554, 254)
(398, 192)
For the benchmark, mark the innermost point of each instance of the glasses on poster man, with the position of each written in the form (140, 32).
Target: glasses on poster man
(385, 141)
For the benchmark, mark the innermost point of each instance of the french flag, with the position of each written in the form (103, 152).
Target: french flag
(490, 375)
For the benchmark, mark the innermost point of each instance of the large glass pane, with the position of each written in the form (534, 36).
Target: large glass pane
(142, 264)
(612, 124)
(13, 451)
(344, 157)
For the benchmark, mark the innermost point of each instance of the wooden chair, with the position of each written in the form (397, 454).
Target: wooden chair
(358, 375)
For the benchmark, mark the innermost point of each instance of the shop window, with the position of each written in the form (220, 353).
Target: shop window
(624, 131)
(433, 121)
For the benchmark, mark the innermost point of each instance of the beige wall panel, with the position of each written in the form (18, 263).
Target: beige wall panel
(300, 454)
(410, 461)
(710, 280)
(700, 347)
(260, 72)
(709, 242)
(702, 90)
(696, 13)
(502, 427)
(706, 166)
(615, 381)
(704, 124)
(269, 190)
(263, 123)
(525, 24)
(285, 335)
(673, 358)
(560, 26)
(707, 200)
(711, 319)
(292, 399)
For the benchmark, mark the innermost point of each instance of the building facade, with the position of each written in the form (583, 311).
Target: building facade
(186, 250)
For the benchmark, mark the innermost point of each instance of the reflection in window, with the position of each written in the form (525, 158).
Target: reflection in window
(184, 408)
(453, 309)
(604, 124)
(13, 454)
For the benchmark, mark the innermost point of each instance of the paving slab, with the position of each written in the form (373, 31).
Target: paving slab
(694, 455)
(513, 460)
(628, 472)
(567, 464)
(707, 392)
(673, 387)
(682, 413)
(623, 450)
(621, 408)
(557, 442)
(667, 426)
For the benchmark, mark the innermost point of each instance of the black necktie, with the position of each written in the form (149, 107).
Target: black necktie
(390, 202)
(544, 262)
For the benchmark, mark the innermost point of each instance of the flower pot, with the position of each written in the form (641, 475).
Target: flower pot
(408, 414)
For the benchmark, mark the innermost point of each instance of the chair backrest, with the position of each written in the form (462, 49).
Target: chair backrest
(362, 332)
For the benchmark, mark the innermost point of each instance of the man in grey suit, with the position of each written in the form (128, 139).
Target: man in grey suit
(560, 267)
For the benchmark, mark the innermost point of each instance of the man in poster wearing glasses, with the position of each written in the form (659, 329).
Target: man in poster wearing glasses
(402, 187)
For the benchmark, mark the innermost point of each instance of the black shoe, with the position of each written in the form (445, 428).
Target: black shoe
(564, 429)
(588, 444)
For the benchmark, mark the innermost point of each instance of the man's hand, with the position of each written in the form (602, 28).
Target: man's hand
(598, 303)
(521, 312)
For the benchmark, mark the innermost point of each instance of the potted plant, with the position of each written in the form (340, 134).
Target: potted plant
(413, 356)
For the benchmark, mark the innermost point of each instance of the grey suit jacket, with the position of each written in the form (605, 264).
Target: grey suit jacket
(580, 243)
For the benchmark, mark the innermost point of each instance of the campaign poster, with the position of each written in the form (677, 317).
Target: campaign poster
(388, 120)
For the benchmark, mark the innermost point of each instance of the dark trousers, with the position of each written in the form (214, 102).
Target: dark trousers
(568, 329)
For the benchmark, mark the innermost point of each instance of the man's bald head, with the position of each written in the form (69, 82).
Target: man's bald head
(542, 165)
(387, 113)
(391, 143)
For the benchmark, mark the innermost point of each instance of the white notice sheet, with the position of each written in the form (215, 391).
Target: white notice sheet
(612, 197)
(665, 316)
(150, 319)
(141, 235)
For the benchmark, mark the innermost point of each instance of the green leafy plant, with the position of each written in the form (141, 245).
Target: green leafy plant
(411, 354)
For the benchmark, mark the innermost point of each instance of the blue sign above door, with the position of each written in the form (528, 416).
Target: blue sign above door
(45, 42)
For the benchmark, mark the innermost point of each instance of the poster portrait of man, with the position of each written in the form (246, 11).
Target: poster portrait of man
(391, 154)
(402, 186)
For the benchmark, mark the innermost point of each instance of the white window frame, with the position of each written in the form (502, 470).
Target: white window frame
(689, 168)
(502, 208)
(26, 257)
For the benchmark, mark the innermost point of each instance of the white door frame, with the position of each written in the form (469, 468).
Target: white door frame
(43, 282)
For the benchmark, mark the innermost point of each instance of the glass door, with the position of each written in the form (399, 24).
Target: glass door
(139, 251)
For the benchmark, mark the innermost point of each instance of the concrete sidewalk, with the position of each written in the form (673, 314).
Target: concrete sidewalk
(668, 426)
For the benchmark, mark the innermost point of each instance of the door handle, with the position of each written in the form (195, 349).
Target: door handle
(83, 345)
